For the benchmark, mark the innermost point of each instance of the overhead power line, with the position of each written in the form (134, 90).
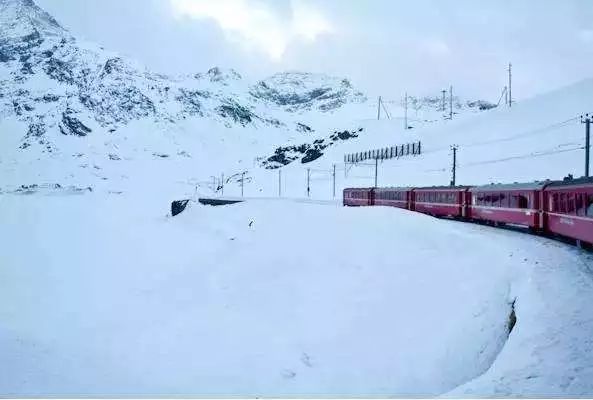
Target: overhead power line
(521, 157)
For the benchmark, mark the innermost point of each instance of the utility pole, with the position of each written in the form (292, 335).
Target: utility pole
(451, 102)
(379, 109)
(406, 111)
(454, 170)
(443, 103)
(587, 122)
(510, 85)
(334, 179)
(376, 169)
(242, 182)
(308, 182)
(279, 182)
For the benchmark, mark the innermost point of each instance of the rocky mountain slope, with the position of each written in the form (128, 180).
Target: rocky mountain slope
(58, 85)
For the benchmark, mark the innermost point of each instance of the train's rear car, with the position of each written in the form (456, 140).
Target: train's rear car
(393, 197)
(568, 209)
(514, 204)
(441, 201)
(354, 197)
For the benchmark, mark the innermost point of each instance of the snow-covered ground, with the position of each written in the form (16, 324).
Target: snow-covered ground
(105, 295)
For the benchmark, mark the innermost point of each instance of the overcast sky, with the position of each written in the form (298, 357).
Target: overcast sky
(384, 46)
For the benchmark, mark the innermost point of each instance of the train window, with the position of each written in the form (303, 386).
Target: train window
(503, 200)
(554, 203)
(580, 204)
(519, 201)
(570, 207)
(562, 202)
(515, 201)
(590, 205)
(496, 199)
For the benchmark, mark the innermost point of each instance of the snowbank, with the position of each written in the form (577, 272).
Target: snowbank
(107, 296)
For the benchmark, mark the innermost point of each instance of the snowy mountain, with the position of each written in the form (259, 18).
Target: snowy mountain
(61, 86)
(70, 109)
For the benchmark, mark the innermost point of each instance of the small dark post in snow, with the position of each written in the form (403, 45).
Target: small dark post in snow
(444, 91)
(376, 168)
(587, 122)
(454, 170)
(178, 206)
(308, 182)
(222, 184)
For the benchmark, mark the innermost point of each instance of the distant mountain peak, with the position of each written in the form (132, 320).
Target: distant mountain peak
(23, 18)
(304, 91)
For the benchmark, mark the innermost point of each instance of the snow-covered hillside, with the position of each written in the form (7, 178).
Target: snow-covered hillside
(537, 139)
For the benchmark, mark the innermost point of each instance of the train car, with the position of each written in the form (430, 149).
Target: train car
(441, 201)
(393, 197)
(568, 209)
(513, 204)
(354, 197)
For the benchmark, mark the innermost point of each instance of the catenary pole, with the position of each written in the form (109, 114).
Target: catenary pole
(376, 169)
(587, 122)
(510, 85)
(454, 169)
(334, 181)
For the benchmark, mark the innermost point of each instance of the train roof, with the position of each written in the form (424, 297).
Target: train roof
(497, 187)
(399, 188)
(571, 182)
(450, 188)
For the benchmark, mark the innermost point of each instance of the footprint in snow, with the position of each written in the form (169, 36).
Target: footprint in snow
(288, 374)
(306, 360)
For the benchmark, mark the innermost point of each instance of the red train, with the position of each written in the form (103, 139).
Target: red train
(563, 208)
